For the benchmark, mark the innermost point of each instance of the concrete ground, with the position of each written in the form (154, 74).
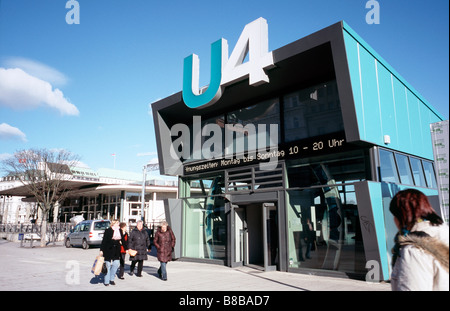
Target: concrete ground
(56, 268)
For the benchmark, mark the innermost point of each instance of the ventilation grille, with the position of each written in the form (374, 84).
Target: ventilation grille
(254, 178)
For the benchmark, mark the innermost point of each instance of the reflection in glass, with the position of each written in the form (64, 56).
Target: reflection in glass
(261, 116)
(324, 230)
(404, 169)
(204, 218)
(411, 170)
(430, 174)
(388, 169)
(312, 112)
(307, 172)
(419, 177)
(323, 222)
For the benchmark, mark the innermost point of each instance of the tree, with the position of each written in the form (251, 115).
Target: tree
(46, 175)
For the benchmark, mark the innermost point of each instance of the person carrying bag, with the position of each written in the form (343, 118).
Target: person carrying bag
(98, 265)
(138, 245)
(110, 249)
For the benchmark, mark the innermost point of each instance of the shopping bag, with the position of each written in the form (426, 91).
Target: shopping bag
(132, 252)
(98, 264)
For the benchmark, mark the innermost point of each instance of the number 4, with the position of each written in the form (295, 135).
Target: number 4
(254, 40)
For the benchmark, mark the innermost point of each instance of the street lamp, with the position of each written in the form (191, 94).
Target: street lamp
(152, 167)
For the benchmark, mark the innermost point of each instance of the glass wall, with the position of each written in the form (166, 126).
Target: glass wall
(324, 230)
(204, 134)
(307, 172)
(312, 112)
(261, 116)
(323, 221)
(205, 222)
(309, 112)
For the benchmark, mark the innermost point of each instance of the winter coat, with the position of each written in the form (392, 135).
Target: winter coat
(110, 247)
(422, 261)
(124, 244)
(164, 243)
(139, 241)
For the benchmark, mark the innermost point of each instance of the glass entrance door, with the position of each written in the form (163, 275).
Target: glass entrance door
(270, 235)
(256, 236)
(241, 236)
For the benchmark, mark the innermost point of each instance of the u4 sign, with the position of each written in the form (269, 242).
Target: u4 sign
(254, 41)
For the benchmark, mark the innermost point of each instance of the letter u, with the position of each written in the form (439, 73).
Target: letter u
(191, 93)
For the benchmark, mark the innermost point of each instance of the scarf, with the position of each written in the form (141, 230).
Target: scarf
(116, 235)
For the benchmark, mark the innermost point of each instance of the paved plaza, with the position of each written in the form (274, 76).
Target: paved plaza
(56, 268)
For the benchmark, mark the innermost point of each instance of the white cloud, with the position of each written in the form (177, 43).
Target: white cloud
(5, 156)
(20, 90)
(37, 69)
(10, 132)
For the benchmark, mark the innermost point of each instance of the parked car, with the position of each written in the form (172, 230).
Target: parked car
(87, 233)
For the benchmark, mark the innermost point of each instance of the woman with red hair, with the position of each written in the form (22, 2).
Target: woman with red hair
(421, 253)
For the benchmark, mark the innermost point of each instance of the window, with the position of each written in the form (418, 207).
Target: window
(419, 177)
(261, 116)
(351, 166)
(312, 112)
(404, 169)
(133, 197)
(101, 225)
(388, 170)
(429, 174)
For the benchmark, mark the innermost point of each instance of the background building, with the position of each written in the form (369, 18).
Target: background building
(440, 137)
(102, 194)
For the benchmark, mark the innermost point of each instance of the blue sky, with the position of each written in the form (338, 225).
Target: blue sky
(87, 87)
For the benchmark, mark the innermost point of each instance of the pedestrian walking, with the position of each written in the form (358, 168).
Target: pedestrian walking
(110, 250)
(421, 253)
(164, 242)
(123, 249)
(140, 242)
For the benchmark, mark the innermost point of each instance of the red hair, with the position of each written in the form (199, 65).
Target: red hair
(410, 205)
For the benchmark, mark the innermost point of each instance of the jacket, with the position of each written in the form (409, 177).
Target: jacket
(110, 247)
(422, 261)
(164, 243)
(139, 241)
(124, 243)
